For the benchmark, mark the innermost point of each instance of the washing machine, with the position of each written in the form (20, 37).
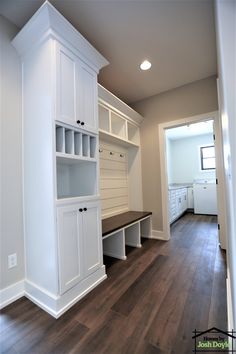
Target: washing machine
(205, 197)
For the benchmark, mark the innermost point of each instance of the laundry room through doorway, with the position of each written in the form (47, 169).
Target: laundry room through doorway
(191, 170)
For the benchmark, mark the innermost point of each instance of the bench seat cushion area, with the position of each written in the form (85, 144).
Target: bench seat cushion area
(125, 229)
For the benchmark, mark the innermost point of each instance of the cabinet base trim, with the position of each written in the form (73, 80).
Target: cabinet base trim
(57, 305)
(11, 293)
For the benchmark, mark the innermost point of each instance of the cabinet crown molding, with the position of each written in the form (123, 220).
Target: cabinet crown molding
(47, 21)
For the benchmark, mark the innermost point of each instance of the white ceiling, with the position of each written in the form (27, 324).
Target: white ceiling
(187, 131)
(177, 36)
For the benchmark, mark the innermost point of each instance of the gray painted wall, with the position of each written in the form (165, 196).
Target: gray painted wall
(11, 235)
(184, 163)
(186, 101)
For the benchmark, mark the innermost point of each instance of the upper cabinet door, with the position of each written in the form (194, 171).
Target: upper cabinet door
(69, 247)
(92, 238)
(66, 86)
(76, 86)
(87, 98)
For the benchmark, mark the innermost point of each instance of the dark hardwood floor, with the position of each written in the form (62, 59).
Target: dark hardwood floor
(149, 304)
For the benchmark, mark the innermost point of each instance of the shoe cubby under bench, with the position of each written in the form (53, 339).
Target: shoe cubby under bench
(125, 229)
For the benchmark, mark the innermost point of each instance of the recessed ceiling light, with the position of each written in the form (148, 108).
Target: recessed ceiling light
(145, 65)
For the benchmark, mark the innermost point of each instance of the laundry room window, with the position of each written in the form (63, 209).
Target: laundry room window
(208, 159)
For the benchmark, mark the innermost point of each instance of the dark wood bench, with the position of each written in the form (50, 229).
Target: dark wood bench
(125, 229)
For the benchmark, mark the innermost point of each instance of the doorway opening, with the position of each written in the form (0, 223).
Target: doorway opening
(192, 170)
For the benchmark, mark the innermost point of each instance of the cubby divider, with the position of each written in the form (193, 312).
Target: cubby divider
(78, 143)
(132, 235)
(92, 142)
(69, 141)
(118, 125)
(73, 142)
(104, 122)
(133, 133)
(85, 145)
(60, 139)
(146, 227)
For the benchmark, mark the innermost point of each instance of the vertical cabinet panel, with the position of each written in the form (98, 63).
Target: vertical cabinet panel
(87, 99)
(69, 247)
(92, 238)
(66, 85)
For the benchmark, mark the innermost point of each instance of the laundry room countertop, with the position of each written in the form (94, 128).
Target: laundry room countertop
(179, 186)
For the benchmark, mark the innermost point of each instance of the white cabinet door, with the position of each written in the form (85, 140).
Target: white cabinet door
(92, 237)
(66, 85)
(76, 87)
(87, 98)
(69, 247)
(79, 242)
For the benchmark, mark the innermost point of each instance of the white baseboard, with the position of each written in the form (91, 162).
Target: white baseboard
(11, 293)
(114, 255)
(159, 235)
(54, 305)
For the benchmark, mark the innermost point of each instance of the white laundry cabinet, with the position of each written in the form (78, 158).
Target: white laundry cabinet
(178, 203)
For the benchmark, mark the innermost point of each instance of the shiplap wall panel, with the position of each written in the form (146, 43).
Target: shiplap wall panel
(112, 165)
(109, 183)
(114, 193)
(110, 174)
(113, 179)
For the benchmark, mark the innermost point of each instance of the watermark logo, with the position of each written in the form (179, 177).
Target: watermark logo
(214, 340)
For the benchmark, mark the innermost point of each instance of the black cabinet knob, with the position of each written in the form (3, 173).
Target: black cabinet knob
(78, 121)
(82, 123)
(85, 209)
(80, 209)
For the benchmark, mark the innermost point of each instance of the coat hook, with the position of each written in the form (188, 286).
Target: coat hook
(121, 155)
(100, 150)
(111, 153)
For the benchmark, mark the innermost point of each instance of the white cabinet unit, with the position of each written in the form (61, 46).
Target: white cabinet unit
(178, 203)
(60, 156)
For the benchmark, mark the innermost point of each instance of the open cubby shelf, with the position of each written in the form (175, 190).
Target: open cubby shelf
(115, 127)
(76, 179)
(76, 162)
(72, 142)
